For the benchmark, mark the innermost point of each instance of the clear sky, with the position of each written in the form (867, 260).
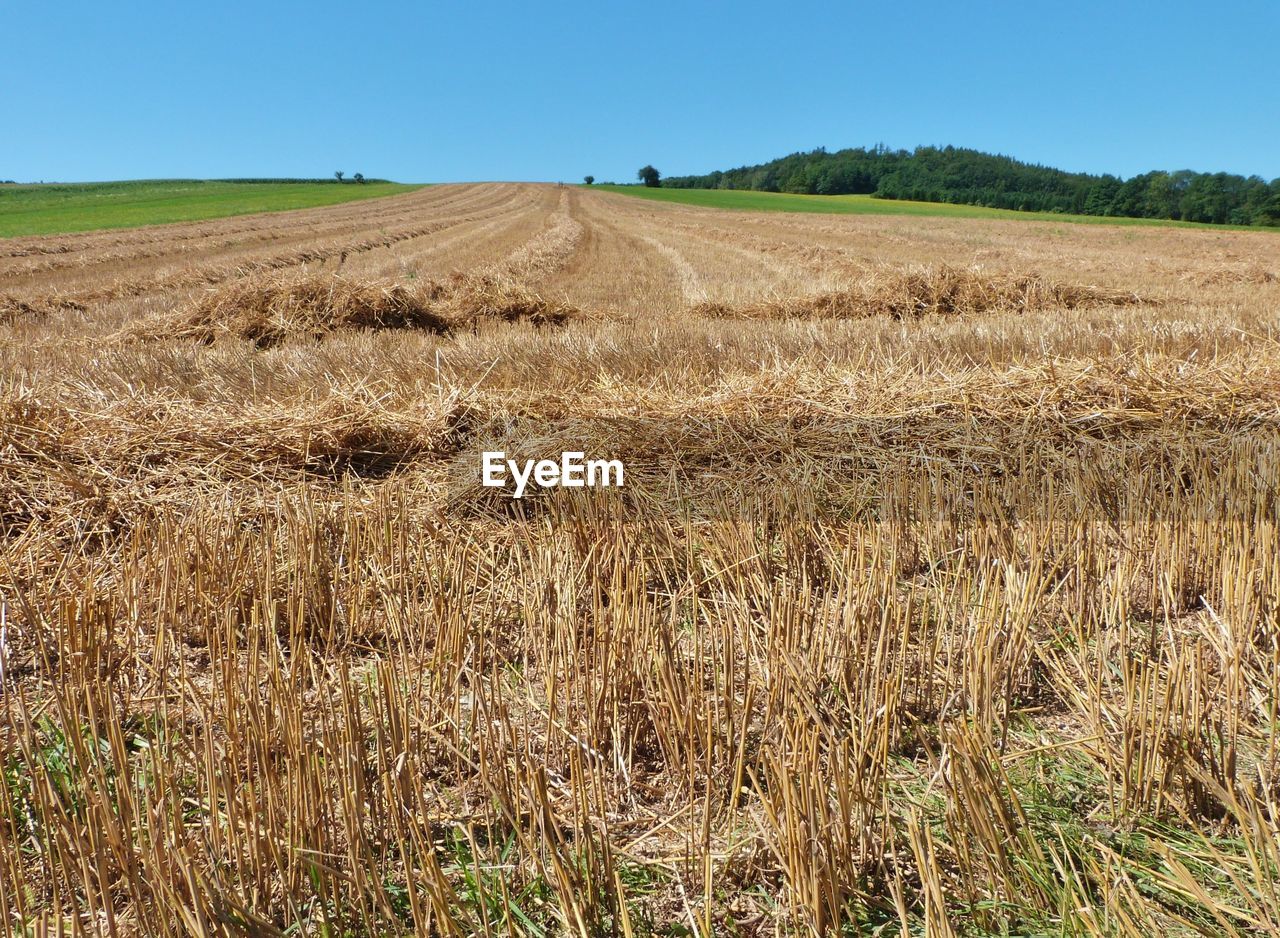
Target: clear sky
(435, 91)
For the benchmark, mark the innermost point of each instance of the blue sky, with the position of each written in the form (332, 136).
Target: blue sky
(488, 90)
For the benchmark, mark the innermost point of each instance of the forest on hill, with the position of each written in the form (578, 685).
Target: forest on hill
(970, 177)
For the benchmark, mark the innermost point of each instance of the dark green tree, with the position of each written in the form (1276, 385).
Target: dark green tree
(1269, 214)
(338, 174)
(1101, 196)
(650, 177)
(1162, 196)
(359, 177)
(588, 179)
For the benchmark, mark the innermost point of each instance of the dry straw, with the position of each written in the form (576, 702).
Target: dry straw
(268, 310)
(964, 626)
(929, 291)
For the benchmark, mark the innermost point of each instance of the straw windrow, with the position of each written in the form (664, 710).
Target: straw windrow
(267, 311)
(929, 291)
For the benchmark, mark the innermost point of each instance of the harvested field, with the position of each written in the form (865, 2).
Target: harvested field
(942, 596)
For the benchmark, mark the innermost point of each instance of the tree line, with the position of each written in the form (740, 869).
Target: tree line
(970, 177)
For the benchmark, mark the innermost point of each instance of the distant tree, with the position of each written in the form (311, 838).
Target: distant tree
(588, 179)
(1269, 209)
(650, 177)
(1162, 196)
(338, 174)
(359, 177)
(1102, 196)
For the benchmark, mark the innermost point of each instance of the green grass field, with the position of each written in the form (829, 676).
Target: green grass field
(65, 207)
(748, 201)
